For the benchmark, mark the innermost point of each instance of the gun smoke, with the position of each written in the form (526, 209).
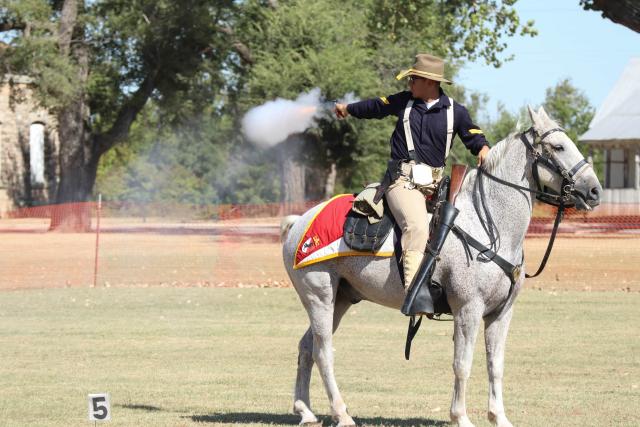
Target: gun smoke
(274, 121)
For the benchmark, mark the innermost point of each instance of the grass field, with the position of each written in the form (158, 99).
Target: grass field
(209, 356)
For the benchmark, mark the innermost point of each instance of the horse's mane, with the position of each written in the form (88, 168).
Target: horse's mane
(493, 162)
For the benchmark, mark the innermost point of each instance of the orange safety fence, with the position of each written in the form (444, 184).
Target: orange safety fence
(607, 218)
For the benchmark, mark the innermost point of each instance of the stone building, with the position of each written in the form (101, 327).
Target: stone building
(29, 147)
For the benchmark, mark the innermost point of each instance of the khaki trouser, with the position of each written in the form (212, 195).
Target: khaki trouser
(408, 206)
(409, 209)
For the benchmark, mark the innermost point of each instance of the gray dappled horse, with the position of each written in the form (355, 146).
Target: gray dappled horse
(475, 290)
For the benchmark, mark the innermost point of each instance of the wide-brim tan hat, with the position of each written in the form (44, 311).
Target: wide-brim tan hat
(427, 66)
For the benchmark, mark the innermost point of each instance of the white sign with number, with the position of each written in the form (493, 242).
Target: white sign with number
(99, 407)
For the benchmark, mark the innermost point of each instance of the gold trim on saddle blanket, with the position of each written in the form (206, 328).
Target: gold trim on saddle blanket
(337, 253)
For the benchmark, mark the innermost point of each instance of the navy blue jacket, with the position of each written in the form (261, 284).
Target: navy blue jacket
(428, 127)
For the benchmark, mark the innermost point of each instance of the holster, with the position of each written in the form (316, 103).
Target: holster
(447, 214)
(390, 176)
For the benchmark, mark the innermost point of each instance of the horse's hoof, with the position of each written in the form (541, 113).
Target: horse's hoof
(463, 421)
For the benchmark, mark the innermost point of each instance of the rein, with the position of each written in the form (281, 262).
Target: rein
(560, 200)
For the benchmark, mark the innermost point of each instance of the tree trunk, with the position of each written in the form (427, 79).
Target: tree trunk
(292, 173)
(77, 167)
(77, 172)
(330, 181)
(80, 149)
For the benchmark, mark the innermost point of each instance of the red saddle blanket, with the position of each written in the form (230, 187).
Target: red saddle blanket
(322, 239)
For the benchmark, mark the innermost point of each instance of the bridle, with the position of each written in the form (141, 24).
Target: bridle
(549, 160)
(563, 200)
(567, 188)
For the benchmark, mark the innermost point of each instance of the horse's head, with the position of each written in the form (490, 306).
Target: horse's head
(559, 167)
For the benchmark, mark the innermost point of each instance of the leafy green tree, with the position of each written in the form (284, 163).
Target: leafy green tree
(194, 163)
(345, 47)
(571, 108)
(96, 64)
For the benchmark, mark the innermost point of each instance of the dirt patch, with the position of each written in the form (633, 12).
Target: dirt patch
(142, 257)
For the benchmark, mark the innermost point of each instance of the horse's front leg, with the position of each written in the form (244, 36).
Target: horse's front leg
(466, 324)
(495, 337)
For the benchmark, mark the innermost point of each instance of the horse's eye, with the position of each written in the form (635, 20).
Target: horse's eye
(558, 148)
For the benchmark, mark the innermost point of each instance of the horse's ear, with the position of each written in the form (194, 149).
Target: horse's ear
(533, 115)
(542, 113)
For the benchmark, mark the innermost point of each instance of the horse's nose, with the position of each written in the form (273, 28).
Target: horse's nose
(594, 195)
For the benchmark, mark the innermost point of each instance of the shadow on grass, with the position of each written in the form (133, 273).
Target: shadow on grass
(265, 418)
(141, 407)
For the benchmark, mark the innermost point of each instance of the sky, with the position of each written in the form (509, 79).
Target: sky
(571, 42)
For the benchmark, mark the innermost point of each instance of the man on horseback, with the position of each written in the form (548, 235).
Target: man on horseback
(420, 144)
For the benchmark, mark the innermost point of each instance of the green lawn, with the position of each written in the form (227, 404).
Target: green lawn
(183, 357)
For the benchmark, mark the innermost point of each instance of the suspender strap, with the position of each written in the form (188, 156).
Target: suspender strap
(449, 129)
(409, 138)
(407, 130)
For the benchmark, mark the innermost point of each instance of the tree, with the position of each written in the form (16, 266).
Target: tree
(345, 47)
(571, 108)
(96, 64)
(298, 46)
(623, 12)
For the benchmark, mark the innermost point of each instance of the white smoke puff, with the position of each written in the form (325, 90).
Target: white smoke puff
(273, 121)
(348, 98)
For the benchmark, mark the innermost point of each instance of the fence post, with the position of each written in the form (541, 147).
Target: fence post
(95, 265)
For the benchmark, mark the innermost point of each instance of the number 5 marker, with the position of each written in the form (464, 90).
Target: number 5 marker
(99, 407)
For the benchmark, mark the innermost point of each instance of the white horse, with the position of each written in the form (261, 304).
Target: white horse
(475, 290)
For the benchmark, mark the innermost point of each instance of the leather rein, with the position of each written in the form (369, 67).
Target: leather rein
(561, 200)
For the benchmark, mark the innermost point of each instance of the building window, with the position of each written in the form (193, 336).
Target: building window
(36, 153)
(617, 168)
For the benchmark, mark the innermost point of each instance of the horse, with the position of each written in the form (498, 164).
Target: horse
(542, 157)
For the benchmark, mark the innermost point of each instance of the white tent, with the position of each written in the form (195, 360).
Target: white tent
(615, 129)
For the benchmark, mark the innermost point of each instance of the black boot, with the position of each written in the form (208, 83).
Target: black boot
(417, 302)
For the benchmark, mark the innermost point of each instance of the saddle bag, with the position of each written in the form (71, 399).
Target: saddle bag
(360, 235)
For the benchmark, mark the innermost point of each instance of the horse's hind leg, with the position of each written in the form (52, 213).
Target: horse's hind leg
(314, 346)
(466, 324)
(495, 337)
(301, 404)
(322, 328)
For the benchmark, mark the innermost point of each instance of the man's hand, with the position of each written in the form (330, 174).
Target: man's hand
(482, 154)
(341, 111)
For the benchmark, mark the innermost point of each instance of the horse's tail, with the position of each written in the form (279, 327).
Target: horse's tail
(286, 224)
